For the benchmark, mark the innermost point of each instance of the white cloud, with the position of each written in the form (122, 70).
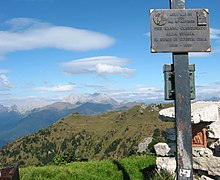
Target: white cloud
(147, 34)
(141, 94)
(139, 97)
(217, 83)
(23, 24)
(207, 91)
(202, 85)
(109, 69)
(149, 89)
(100, 65)
(57, 88)
(27, 34)
(4, 71)
(199, 54)
(215, 33)
(5, 84)
(213, 91)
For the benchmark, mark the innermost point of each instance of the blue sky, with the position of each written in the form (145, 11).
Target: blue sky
(53, 48)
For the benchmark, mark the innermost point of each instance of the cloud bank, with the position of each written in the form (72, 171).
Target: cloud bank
(56, 88)
(207, 91)
(140, 94)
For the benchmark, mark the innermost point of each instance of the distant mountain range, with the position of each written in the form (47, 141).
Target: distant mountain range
(15, 123)
(25, 105)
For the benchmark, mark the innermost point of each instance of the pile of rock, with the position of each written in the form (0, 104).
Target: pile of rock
(206, 140)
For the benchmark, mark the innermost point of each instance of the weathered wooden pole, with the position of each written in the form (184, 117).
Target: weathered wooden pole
(182, 109)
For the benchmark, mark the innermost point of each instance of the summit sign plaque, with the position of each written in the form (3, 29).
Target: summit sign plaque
(180, 30)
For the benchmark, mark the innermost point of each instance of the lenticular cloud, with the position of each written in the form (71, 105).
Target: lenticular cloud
(27, 34)
(101, 65)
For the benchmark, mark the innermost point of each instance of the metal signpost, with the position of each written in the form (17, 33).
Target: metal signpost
(180, 31)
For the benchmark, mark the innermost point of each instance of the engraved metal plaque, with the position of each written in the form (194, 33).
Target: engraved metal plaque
(180, 30)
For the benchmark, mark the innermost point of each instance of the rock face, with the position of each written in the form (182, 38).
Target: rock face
(201, 152)
(213, 130)
(210, 164)
(204, 112)
(203, 177)
(162, 149)
(167, 114)
(216, 147)
(206, 158)
(142, 147)
(200, 112)
(166, 163)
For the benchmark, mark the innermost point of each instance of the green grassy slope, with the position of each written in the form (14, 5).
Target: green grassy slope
(134, 168)
(108, 136)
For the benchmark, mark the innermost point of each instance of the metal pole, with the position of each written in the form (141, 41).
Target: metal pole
(182, 109)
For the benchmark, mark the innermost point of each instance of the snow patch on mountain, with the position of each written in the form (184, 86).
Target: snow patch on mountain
(24, 105)
(91, 98)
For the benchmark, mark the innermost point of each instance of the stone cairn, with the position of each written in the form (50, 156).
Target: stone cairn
(205, 141)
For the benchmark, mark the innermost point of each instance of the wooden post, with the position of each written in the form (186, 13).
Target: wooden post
(182, 109)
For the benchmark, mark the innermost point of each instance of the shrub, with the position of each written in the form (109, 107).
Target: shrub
(113, 146)
(158, 136)
(60, 159)
(161, 175)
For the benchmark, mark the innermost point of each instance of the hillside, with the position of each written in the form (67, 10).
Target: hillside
(111, 135)
(14, 125)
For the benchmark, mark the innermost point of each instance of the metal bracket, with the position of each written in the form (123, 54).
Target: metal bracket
(169, 86)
